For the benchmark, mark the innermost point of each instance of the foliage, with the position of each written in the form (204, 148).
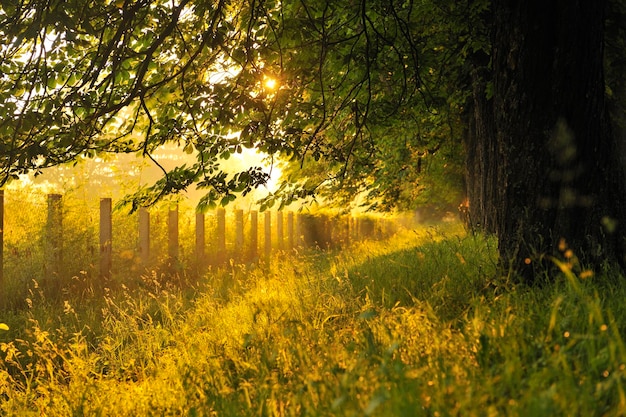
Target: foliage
(367, 89)
(381, 83)
(86, 78)
(402, 327)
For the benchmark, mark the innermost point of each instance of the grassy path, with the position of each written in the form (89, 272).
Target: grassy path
(407, 327)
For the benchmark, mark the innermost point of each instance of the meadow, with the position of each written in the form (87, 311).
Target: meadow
(416, 325)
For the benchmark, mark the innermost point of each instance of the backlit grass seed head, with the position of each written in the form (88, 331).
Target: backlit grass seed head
(67, 308)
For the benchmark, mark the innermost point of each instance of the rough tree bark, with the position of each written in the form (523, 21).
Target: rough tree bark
(557, 169)
(481, 150)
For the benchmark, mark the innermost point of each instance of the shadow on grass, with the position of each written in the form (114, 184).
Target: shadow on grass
(443, 271)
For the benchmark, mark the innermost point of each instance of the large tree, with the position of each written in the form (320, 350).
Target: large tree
(377, 91)
(553, 169)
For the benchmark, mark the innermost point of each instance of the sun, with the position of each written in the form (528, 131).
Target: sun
(270, 83)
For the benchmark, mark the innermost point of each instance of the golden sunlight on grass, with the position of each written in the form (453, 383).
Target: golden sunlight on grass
(396, 327)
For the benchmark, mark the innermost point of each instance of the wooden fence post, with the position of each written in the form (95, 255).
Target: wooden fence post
(106, 238)
(350, 230)
(239, 253)
(348, 227)
(172, 234)
(290, 240)
(221, 236)
(254, 235)
(144, 235)
(54, 235)
(200, 240)
(331, 232)
(299, 237)
(268, 236)
(280, 238)
(351, 238)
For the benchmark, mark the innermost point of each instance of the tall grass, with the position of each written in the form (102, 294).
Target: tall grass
(416, 325)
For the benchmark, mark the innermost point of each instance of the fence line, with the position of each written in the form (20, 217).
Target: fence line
(281, 232)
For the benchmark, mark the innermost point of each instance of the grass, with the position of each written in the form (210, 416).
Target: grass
(418, 325)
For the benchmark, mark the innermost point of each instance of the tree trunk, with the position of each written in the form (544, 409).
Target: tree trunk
(481, 151)
(560, 181)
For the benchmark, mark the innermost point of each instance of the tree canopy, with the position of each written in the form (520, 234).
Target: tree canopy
(368, 95)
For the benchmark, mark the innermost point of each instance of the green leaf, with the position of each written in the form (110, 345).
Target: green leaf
(188, 149)
(52, 83)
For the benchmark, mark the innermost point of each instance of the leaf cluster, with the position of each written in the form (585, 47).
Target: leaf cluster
(364, 90)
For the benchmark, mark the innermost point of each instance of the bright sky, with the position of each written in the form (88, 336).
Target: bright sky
(120, 174)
